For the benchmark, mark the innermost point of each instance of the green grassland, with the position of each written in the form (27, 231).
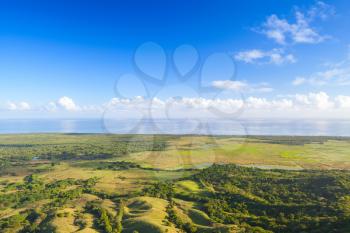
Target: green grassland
(173, 183)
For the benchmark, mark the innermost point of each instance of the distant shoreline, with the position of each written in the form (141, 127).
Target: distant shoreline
(329, 137)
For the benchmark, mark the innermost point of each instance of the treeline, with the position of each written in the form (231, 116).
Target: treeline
(115, 166)
(99, 149)
(296, 140)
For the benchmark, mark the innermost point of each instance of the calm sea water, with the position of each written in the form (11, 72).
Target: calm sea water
(215, 127)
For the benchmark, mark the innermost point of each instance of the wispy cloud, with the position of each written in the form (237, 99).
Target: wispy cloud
(300, 30)
(299, 81)
(230, 85)
(242, 86)
(335, 75)
(275, 56)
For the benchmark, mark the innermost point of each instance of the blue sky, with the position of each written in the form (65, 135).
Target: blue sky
(79, 58)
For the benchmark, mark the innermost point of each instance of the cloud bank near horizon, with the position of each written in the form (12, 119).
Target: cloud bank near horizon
(310, 105)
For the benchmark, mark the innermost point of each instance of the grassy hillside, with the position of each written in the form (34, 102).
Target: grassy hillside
(145, 183)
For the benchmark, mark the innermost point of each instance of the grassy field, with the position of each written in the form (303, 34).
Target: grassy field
(199, 152)
(96, 183)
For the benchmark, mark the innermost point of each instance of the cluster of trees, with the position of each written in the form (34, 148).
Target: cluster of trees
(164, 190)
(106, 221)
(34, 189)
(80, 221)
(172, 217)
(81, 147)
(29, 221)
(259, 200)
(116, 166)
(122, 165)
(278, 200)
(15, 222)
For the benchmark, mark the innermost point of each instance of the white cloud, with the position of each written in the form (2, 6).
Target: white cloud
(309, 105)
(299, 81)
(22, 106)
(275, 56)
(316, 101)
(300, 31)
(64, 103)
(51, 107)
(336, 75)
(229, 85)
(319, 105)
(263, 103)
(249, 56)
(343, 101)
(302, 100)
(241, 86)
(321, 10)
(67, 104)
(11, 106)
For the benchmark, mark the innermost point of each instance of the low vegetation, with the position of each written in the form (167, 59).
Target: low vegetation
(149, 184)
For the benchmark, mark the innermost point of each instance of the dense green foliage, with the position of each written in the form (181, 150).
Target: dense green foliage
(78, 146)
(177, 221)
(164, 190)
(115, 166)
(277, 200)
(267, 200)
(32, 190)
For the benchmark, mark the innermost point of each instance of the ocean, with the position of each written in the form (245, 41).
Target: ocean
(180, 126)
